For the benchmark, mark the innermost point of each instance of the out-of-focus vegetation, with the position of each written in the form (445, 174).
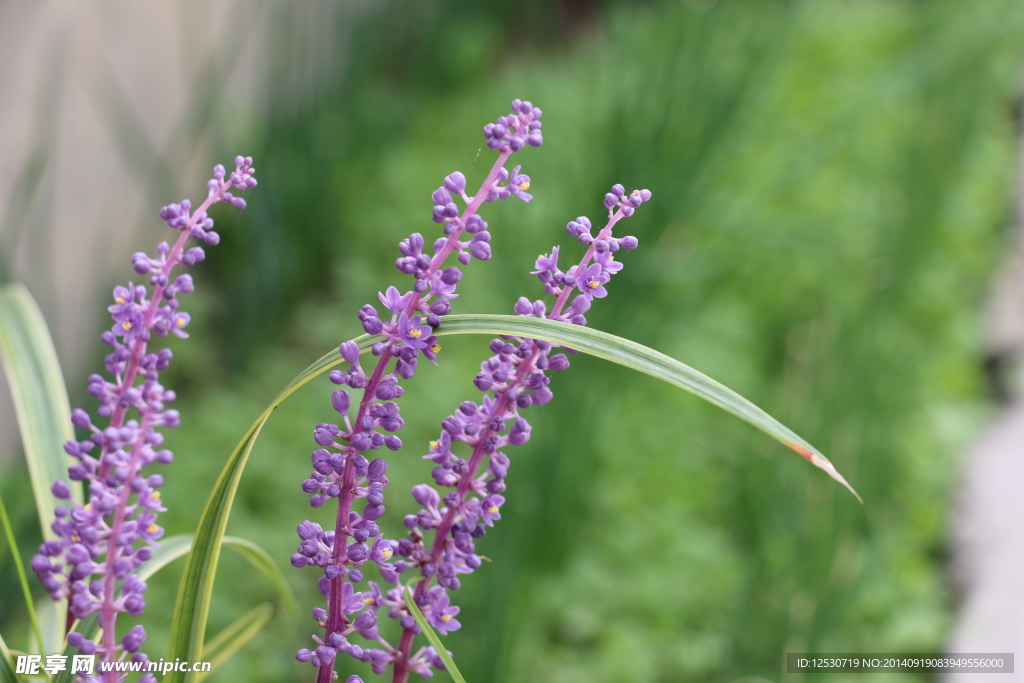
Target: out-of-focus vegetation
(830, 184)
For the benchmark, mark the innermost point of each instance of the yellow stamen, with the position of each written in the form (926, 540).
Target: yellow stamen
(415, 334)
(180, 322)
(524, 186)
(436, 348)
(156, 495)
(435, 445)
(386, 553)
(367, 601)
(492, 509)
(152, 529)
(119, 300)
(87, 507)
(592, 283)
(611, 257)
(126, 325)
(446, 618)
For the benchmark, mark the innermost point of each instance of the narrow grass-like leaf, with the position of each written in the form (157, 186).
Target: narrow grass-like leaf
(12, 542)
(40, 397)
(234, 637)
(643, 359)
(7, 674)
(192, 607)
(439, 647)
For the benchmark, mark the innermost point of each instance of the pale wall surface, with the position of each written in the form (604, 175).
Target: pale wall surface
(110, 110)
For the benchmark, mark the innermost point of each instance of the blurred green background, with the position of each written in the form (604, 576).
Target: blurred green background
(831, 189)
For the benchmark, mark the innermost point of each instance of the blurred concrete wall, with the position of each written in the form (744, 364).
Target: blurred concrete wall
(109, 110)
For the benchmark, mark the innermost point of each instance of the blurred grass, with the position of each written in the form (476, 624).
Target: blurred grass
(830, 183)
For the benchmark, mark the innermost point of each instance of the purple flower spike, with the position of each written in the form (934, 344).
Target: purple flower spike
(514, 379)
(106, 535)
(342, 471)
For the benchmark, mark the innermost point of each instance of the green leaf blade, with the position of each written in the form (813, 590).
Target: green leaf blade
(434, 639)
(40, 397)
(648, 361)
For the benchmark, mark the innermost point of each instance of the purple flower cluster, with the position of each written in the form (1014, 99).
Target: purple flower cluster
(92, 559)
(514, 379)
(340, 469)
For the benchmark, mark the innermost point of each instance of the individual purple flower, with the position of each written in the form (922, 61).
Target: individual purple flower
(519, 185)
(490, 508)
(109, 532)
(381, 551)
(608, 264)
(352, 600)
(591, 281)
(393, 300)
(546, 262)
(442, 614)
(412, 333)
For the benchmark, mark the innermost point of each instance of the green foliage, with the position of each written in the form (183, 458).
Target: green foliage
(44, 420)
